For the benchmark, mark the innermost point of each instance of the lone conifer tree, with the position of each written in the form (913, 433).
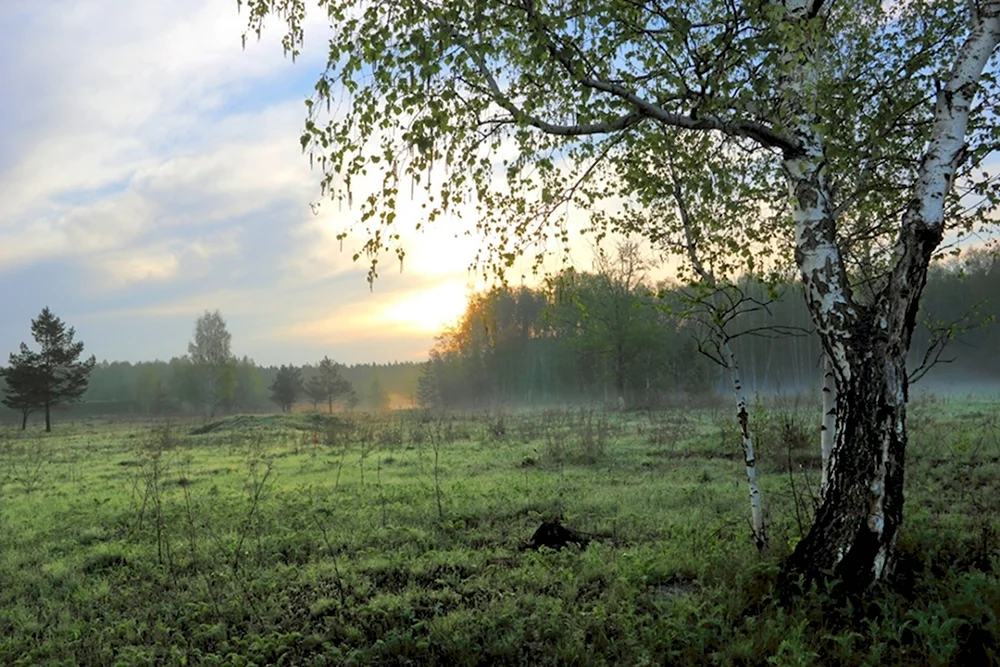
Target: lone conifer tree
(286, 387)
(334, 385)
(51, 376)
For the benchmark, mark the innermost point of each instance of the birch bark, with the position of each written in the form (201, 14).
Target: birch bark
(828, 430)
(856, 528)
(749, 458)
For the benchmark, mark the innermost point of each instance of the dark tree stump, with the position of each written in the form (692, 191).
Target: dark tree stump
(554, 535)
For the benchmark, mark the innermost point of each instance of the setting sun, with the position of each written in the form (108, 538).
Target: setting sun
(430, 310)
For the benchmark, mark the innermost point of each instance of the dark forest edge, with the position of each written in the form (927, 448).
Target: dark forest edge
(591, 337)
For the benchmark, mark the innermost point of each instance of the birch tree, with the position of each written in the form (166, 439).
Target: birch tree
(717, 298)
(874, 116)
(211, 355)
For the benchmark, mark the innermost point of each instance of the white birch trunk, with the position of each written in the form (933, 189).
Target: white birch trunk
(828, 431)
(857, 525)
(756, 498)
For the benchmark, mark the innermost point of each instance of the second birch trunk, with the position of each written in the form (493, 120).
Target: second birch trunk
(749, 458)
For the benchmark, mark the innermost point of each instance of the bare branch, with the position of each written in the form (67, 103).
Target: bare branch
(642, 108)
(941, 336)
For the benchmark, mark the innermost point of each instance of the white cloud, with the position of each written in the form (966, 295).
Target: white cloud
(223, 181)
(107, 223)
(164, 261)
(133, 267)
(113, 84)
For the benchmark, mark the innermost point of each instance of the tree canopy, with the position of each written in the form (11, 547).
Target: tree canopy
(22, 381)
(443, 96)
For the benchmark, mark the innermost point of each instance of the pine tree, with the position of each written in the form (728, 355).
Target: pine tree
(20, 392)
(51, 376)
(333, 384)
(316, 391)
(428, 395)
(286, 387)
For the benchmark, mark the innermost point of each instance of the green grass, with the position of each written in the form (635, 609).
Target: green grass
(310, 540)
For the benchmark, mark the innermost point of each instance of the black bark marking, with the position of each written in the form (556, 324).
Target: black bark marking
(841, 540)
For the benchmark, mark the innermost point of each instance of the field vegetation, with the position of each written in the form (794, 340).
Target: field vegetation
(404, 538)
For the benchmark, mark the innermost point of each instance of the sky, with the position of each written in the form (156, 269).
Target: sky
(150, 170)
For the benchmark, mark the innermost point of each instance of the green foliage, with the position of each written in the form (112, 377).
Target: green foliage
(186, 383)
(559, 359)
(328, 385)
(597, 104)
(286, 387)
(428, 391)
(377, 398)
(559, 342)
(149, 391)
(117, 388)
(580, 336)
(22, 377)
(315, 390)
(249, 392)
(867, 112)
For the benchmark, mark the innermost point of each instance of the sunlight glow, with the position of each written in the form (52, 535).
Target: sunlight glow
(430, 310)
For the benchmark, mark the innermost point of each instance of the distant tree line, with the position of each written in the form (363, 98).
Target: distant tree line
(962, 298)
(610, 335)
(574, 339)
(209, 380)
(173, 387)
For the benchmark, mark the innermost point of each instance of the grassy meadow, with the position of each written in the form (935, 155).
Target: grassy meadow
(399, 539)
